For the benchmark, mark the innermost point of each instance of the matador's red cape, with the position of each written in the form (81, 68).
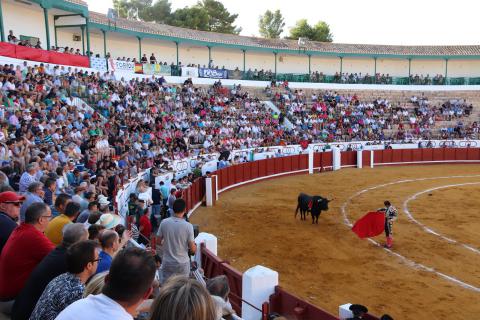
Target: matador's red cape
(370, 225)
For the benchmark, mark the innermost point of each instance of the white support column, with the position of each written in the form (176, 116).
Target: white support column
(210, 242)
(371, 158)
(344, 311)
(216, 187)
(208, 192)
(258, 283)
(310, 161)
(359, 159)
(336, 157)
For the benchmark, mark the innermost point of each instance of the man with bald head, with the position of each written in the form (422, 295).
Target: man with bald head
(53, 265)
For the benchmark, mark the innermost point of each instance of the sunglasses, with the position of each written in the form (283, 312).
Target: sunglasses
(97, 260)
(16, 204)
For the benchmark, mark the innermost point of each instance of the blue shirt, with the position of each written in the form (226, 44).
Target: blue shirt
(105, 262)
(30, 198)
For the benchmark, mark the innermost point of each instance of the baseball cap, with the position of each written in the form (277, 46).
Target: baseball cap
(10, 196)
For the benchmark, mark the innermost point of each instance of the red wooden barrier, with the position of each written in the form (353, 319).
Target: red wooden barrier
(26, 53)
(348, 158)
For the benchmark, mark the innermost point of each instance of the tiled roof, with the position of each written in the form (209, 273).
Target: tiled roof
(285, 44)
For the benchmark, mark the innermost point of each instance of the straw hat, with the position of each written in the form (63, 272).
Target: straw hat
(109, 221)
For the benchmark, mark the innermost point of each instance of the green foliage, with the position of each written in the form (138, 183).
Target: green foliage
(207, 15)
(132, 9)
(319, 32)
(190, 17)
(219, 19)
(271, 24)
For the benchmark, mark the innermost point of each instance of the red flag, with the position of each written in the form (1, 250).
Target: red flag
(370, 225)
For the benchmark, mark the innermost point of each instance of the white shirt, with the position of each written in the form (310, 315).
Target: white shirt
(97, 307)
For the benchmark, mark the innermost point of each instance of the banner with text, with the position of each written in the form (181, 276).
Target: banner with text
(117, 65)
(190, 72)
(213, 73)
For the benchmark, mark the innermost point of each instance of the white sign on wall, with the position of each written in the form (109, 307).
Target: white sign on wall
(117, 65)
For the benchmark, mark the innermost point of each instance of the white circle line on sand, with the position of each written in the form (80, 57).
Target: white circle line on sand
(428, 229)
(404, 259)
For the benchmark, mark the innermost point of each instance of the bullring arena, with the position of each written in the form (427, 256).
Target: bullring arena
(431, 272)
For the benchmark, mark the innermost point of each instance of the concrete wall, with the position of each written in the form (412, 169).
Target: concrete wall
(393, 67)
(230, 58)
(292, 63)
(327, 65)
(430, 67)
(463, 68)
(26, 20)
(260, 60)
(358, 65)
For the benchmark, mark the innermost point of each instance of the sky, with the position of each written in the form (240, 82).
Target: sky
(406, 22)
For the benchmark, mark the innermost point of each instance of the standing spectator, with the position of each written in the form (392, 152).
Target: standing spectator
(18, 259)
(55, 227)
(182, 298)
(11, 38)
(128, 284)
(10, 203)
(165, 192)
(171, 201)
(110, 243)
(34, 194)
(145, 228)
(28, 177)
(53, 265)
(82, 260)
(177, 237)
(153, 60)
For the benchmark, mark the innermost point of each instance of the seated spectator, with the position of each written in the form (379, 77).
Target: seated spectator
(219, 289)
(18, 259)
(175, 235)
(10, 203)
(29, 176)
(94, 232)
(34, 194)
(78, 197)
(92, 207)
(53, 265)
(49, 191)
(95, 284)
(128, 284)
(55, 227)
(110, 243)
(60, 204)
(182, 298)
(82, 259)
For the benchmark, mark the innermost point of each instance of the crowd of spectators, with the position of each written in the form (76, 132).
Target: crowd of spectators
(330, 116)
(61, 163)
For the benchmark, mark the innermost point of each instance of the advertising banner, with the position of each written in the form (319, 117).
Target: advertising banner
(190, 72)
(117, 65)
(157, 69)
(98, 63)
(213, 73)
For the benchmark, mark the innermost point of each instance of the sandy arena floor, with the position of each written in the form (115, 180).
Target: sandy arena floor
(433, 273)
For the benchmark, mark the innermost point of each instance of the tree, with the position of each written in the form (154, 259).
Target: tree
(190, 17)
(160, 12)
(219, 19)
(132, 9)
(271, 24)
(319, 32)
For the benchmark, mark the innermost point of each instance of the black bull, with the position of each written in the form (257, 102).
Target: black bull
(312, 204)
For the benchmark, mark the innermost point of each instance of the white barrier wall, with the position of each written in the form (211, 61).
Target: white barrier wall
(211, 243)
(258, 283)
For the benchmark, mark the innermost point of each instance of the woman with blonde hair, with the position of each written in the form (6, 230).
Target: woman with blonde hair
(182, 298)
(95, 285)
